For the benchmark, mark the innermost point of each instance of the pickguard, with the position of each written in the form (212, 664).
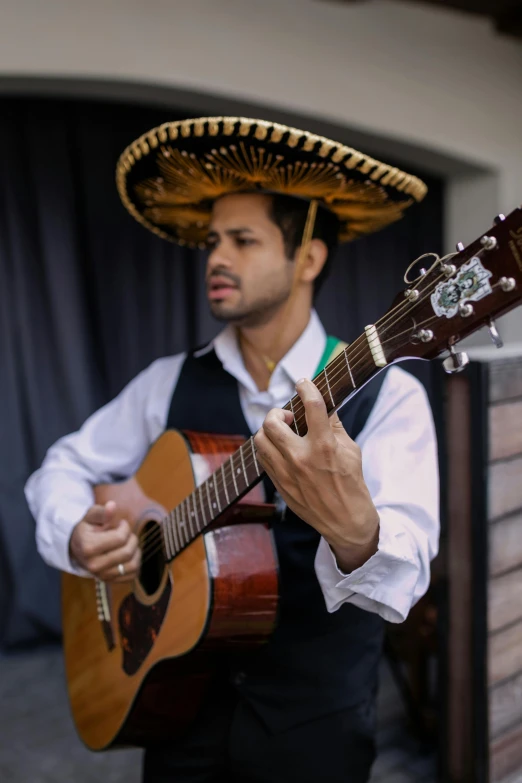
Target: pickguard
(139, 626)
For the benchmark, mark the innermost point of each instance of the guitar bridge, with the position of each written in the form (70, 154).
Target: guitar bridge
(104, 613)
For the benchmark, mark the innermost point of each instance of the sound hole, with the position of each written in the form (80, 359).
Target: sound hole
(152, 557)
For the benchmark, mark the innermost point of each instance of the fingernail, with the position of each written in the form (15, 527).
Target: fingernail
(299, 382)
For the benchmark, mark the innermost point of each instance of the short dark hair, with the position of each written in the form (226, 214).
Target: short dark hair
(289, 214)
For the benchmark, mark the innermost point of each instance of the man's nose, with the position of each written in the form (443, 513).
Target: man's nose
(218, 259)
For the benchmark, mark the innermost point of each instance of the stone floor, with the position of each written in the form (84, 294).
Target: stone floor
(38, 743)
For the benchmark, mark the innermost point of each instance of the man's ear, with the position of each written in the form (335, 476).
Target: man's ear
(315, 260)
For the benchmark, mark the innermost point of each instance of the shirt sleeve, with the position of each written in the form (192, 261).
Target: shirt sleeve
(110, 446)
(399, 455)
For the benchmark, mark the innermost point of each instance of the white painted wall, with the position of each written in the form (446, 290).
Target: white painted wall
(437, 87)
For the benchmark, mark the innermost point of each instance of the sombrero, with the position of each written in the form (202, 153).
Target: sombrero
(170, 176)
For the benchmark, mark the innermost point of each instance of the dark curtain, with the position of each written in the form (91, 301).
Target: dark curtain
(88, 298)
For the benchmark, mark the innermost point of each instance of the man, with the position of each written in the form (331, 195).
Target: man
(360, 523)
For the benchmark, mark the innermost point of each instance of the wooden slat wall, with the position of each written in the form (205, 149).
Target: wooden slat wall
(505, 568)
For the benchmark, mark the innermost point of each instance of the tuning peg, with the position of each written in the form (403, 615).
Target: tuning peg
(489, 243)
(497, 340)
(499, 218)
(460, 247)
(455, 362)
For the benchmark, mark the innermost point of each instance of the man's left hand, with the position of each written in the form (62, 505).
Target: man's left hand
(320, 477)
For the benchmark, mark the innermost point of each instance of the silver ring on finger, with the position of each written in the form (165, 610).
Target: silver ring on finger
(121, 569)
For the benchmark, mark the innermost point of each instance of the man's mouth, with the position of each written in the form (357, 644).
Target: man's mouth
(220, 288)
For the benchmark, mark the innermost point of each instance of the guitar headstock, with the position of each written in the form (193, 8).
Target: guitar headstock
(456, 295)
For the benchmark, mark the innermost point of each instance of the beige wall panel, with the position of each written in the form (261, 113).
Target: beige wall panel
(505, 600)
(505, 379)
(505, 654)
(505, 545)
(505, 430)
(505, 487)
(505, 706)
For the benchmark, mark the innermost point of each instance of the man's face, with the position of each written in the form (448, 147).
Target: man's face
(248, 274)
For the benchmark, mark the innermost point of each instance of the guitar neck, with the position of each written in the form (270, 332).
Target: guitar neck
(342, 377)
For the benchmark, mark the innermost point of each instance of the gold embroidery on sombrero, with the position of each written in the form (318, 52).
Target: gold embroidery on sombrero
(180, 197)
(363, 192)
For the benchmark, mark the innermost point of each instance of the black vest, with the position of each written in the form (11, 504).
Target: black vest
(315, 662)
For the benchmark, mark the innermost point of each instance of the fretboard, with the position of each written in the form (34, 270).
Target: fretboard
(342, 377)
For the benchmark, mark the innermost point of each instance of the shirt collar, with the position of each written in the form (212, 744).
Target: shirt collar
(301, 361)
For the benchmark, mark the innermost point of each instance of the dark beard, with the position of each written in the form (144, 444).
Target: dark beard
(258, 315)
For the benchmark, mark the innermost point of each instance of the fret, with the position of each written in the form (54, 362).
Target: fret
(216, 493)
(253, 448)
(234, 474)
(225, 482)
(165, 529)
(185, 520)
(194, 513)
(208, 499)
(175, 530)
(245, 475)
(182, 528)
(202, 504)
(349, 368)
(328, 385)
(295, 417)
(190, 533)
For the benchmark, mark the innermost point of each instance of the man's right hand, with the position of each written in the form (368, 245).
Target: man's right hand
(100, 544)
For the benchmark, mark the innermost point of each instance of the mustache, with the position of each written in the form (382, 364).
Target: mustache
(226, 275)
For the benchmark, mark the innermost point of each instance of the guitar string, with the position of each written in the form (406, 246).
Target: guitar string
(387, 322)
(330, 384)
(298, 408)
(338, 362)
(383, 331)
(156, 536)
(220, 483)
(154, 540)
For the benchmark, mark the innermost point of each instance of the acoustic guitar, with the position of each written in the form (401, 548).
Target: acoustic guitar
(137, 654)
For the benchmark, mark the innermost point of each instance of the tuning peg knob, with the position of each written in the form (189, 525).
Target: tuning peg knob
(499, 218)
(425, 335)
(460, 247)
(489, 243)
(497, 340)
(507, 284)
(455, 362)
(465, 309)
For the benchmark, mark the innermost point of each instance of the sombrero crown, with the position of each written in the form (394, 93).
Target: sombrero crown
(170, 176)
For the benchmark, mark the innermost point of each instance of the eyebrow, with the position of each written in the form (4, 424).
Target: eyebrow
(231, 232)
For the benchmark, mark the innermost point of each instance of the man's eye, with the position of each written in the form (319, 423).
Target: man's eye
(243, 241)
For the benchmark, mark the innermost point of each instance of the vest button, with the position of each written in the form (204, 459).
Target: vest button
(239, 678)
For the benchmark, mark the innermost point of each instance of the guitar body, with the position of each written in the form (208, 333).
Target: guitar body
(139, 654)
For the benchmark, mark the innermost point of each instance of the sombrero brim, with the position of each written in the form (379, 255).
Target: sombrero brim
(170, 176)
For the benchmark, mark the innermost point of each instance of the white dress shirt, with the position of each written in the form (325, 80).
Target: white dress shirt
(399, 464)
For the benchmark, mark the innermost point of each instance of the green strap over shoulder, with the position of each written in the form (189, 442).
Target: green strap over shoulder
(333, 347)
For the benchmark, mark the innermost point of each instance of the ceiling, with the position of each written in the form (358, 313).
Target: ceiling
(506, 14)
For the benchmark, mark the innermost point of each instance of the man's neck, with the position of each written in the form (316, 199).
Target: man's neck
(268, 343)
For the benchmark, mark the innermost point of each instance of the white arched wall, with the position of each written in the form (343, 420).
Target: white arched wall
(430, 87)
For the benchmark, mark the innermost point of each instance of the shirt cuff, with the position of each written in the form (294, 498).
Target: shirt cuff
(62, 528)
(384, 585)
